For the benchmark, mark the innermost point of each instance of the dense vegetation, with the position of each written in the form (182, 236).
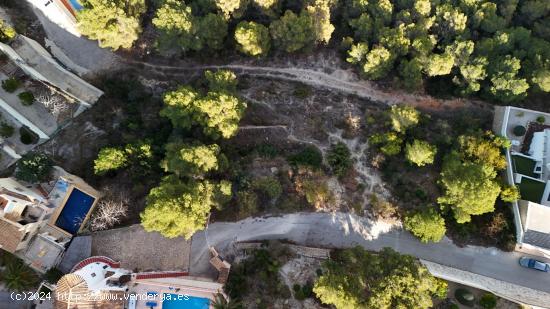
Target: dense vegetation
(181, 204)
(496, 48)
(355, 278)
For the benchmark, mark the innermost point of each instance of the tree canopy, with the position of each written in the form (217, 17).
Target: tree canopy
(176, 208)
(113, 23)
(428, 225)
(355, 278)
(403, 117)
(182, 159)
(252, 38)
(469, 188)
(33, 167)
(218, 112)
(420, 152)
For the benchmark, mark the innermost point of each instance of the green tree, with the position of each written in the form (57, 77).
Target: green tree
(439, 64)
(178, 26)
(428, 225)
(184, 159)
(177, 208)
(339, 159)
(379, 62)
(33, 167)
(420, 152)
(411, 73)
(292, 32)
(219, 114)
(115, 24)
(355, 278)
(109, 159)
(232, 8)
(319, 12)
(358, 53)
(469, 187)
(403, 117)
(221, 81)
(450, 21)
(16, 275)
(510, 194)
(212, 31)
(484, 149)
(390, 142)
(179, 106)
(541, 78)
(252, 39)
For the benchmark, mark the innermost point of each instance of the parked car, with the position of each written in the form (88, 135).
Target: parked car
(534, 264)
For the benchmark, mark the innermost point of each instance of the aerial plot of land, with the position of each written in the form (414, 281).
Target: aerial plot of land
(274, 154)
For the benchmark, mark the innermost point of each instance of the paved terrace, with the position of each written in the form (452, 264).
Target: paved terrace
(500, 270)
(136, 249)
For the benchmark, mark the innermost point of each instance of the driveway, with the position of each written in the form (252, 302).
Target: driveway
(340, 230)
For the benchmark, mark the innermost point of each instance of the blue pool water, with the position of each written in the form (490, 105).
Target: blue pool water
(175, 301)
(77, 206)
(76, 5)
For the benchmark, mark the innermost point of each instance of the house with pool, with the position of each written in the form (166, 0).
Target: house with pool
(100, 282)
(38, 221)
(528, 168)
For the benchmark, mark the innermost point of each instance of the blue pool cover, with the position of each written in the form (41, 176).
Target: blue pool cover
(76, 208)
(175, 301)
(76, 5)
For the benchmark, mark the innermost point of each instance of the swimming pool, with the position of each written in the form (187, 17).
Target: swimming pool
(175, 301)
(76, 5)
(74, 211)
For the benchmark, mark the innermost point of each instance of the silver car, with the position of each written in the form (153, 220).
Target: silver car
(534, 264)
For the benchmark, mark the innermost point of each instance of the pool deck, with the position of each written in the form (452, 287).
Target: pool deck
(190, 286)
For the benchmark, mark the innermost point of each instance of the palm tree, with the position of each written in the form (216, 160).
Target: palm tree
(221, 303)
(17, 276)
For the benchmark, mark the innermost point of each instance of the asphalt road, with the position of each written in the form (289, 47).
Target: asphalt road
(344, 230)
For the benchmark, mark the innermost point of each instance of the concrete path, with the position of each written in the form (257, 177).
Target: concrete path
(340, 230)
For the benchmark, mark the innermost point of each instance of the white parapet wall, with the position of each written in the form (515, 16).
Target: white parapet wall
(512, 292)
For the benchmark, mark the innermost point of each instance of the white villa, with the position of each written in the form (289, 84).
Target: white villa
(529, 169)
(100, 282)
(38, 221)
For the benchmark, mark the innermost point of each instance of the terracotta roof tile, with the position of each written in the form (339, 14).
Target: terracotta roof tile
(11, 236)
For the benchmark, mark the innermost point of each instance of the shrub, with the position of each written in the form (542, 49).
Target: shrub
(420, 153)
(541, 119)
(403, 117)
(302, 292)
(53, 275)
(17, 276)
(11, 84)
(339, 159)
(519, 130)
(428, 225)
(465, 297)
(382, 208)
(27, 137)
(310, 156)
(389, 142)
(109, 159)
(247, 203)
(269, 186)
(33, 167)
(6, 130)
(7, 33)
(302, 91)
(510, 194)
(267, 151)
(26, 98)
(488, 301)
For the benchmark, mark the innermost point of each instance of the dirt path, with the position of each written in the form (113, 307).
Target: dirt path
(344, 81)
